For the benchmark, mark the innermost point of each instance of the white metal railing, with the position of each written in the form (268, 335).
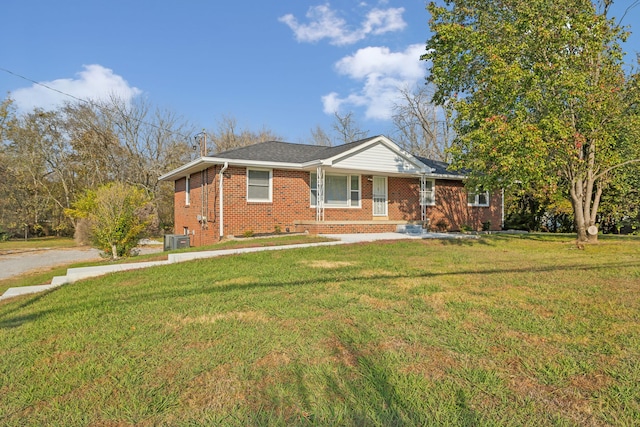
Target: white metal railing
(319, 194)
(423, 198)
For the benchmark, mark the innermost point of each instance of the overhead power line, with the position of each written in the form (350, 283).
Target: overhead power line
(91, 103)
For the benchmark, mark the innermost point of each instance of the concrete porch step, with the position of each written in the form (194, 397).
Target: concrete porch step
(410, 229)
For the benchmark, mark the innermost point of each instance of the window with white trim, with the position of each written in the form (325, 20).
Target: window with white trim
(259, 185)
(428, 194)
(187, 190)
(339, 190)
(478, 198)
(313, 187)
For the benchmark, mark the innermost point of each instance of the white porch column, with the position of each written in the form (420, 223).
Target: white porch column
(423, 198)
(319, 194)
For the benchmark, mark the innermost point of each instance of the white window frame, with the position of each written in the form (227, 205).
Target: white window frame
(270, 185)
(187, 190)
(473, 199)
(424, 201)
(350, 205)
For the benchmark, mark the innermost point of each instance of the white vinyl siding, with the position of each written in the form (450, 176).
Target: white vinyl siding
(258, 185)
(378, 159)
(340, 191)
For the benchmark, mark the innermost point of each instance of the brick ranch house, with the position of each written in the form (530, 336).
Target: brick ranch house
(369, 185)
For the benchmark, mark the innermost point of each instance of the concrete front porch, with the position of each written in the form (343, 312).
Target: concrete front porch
(350, 227)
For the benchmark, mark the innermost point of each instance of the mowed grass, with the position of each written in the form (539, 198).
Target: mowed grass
(44, 275)
(500, 331)
(17, 245)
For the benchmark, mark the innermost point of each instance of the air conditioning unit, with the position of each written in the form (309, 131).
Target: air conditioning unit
(175, 241)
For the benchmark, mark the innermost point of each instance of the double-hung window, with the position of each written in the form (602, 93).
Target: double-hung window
(259, 185)
(339, 190)
(478, 198)
(427, 193)
(187, 190)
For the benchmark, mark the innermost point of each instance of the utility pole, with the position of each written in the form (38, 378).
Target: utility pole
(201, 139)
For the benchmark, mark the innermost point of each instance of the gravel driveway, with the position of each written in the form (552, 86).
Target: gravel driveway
(16, 263)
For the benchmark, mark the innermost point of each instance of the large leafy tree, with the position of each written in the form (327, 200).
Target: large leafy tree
(538, 94)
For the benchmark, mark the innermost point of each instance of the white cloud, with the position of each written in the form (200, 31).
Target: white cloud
(324, 22)
(381, 74)
(95, 82)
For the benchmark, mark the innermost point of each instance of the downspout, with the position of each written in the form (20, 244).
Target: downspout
(502, 213)
(224, 168)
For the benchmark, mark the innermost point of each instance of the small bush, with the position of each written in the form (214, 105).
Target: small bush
(466, 228)
(248, 233)
(442, 225)
(486, 226)
(277, 229)
(118, 215)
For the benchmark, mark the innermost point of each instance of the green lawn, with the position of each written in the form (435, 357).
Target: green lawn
(35, 244)
(506, 330)
(44, 275)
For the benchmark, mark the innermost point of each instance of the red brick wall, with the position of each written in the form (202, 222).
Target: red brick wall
(452, 208)
(347, 228)
(291, 203)
(200, 231)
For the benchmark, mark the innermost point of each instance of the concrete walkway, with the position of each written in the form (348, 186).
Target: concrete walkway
(19, 262)
(75, 274)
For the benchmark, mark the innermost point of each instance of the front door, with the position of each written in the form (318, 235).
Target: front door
(379, 196)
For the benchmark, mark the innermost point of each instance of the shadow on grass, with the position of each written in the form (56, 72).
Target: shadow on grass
(378, 400)
(7, 322)
(367, 389)
(463, 242)
(205, 287)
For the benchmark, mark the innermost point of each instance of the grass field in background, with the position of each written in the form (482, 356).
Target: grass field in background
(505, 330)
(36, 243)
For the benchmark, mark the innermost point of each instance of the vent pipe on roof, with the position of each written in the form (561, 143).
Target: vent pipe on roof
(224, 168)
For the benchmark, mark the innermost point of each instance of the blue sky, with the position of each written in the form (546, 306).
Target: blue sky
(284, 64)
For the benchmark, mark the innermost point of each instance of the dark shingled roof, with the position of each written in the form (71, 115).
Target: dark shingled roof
(441, 168)
(286, 152)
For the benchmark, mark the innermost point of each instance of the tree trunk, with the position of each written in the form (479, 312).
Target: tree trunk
(114, 251)
(582, 232)
(577, 202)
(585, 208)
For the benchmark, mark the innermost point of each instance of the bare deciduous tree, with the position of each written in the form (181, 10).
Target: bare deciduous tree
(422, 128)
(320, 137)
(228, 135)
(53, 156)
(346, 128)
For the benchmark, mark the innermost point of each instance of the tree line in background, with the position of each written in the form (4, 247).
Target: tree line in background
(57, 165)
(50, 159)
(526, 96)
